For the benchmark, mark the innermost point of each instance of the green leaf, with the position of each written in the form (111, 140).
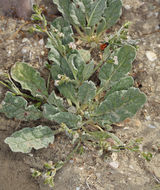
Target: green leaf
(122, 84)
(64, 7)
(112, 12)
(16, 107)
(55, 70)
(55, 100)
(68, 91)
(70, 119)
(63, 26)
(86, 92)
(120, 105)
(77, 13)
(85, 54)
(101, 26)
(88, 70)
(49, 111)
(29, 79)
(111, 73)
(72, 66)
(97, 11)
(28, 138)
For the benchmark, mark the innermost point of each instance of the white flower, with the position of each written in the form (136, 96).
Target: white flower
(115, 58)
(61, 35)
(55, 30)
(56, 82)
(72, 45)
(59, 76)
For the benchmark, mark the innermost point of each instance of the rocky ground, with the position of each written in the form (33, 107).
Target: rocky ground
(124, 170)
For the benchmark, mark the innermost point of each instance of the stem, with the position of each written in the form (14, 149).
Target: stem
(79, 31)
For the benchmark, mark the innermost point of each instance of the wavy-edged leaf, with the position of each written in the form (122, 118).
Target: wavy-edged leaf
(28, 138)
(120, 105)
(88, 70)
(112, 12)
(55, 100)
(86, 92)
(16, 107)
(63, 6)
(101, 26)
(49, 111)
(97, 11)
(29, 79)
(63, 26)
(70, 119)
(71, 60)
(122, 84)
(68, 91)
(88, 7)
(85, 54)
(77, 13)
(110, 73)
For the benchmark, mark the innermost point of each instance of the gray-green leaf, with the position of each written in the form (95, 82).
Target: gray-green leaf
(122, 84)
(112, 12)
(16, 107)
(28, 138)
(120, 105)
(110, 73)
(68, 91)
(70, 119)
(87, 92)
(97, 11)
(49, 111)
(55, 100)
(29, 79)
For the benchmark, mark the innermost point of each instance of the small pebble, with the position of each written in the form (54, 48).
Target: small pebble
(24, 40)
(151, 55)
(151, 126)
(114, 156)
(127, 7)
(41, 42)
(114, 165)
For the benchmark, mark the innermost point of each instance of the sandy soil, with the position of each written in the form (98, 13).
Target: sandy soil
(89, 171)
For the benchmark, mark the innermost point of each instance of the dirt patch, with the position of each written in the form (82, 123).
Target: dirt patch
(89, 172)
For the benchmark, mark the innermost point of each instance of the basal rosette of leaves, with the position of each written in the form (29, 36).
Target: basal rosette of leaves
(80, 103)
(81, 107)
(90, 18)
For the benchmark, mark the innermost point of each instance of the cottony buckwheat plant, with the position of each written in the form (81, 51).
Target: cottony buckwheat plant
(88, 95)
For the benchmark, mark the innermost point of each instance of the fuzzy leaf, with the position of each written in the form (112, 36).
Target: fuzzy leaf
(120, 105)
(49, 111)
(97, 11)
(112, 12)
(63, 6)
(16, 107)
(28, 138)
(55, 100)
(110, 73)
(85, 54)
(72, 66)
(122, 84)
(87, 91)
(88, 70)
(63, 26)
(77, 13)
(29, 79)
(55, 70)
(68, 118)
(68, 91)
(101, 26)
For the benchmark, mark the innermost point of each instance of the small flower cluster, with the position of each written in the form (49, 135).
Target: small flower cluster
(62, 79)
